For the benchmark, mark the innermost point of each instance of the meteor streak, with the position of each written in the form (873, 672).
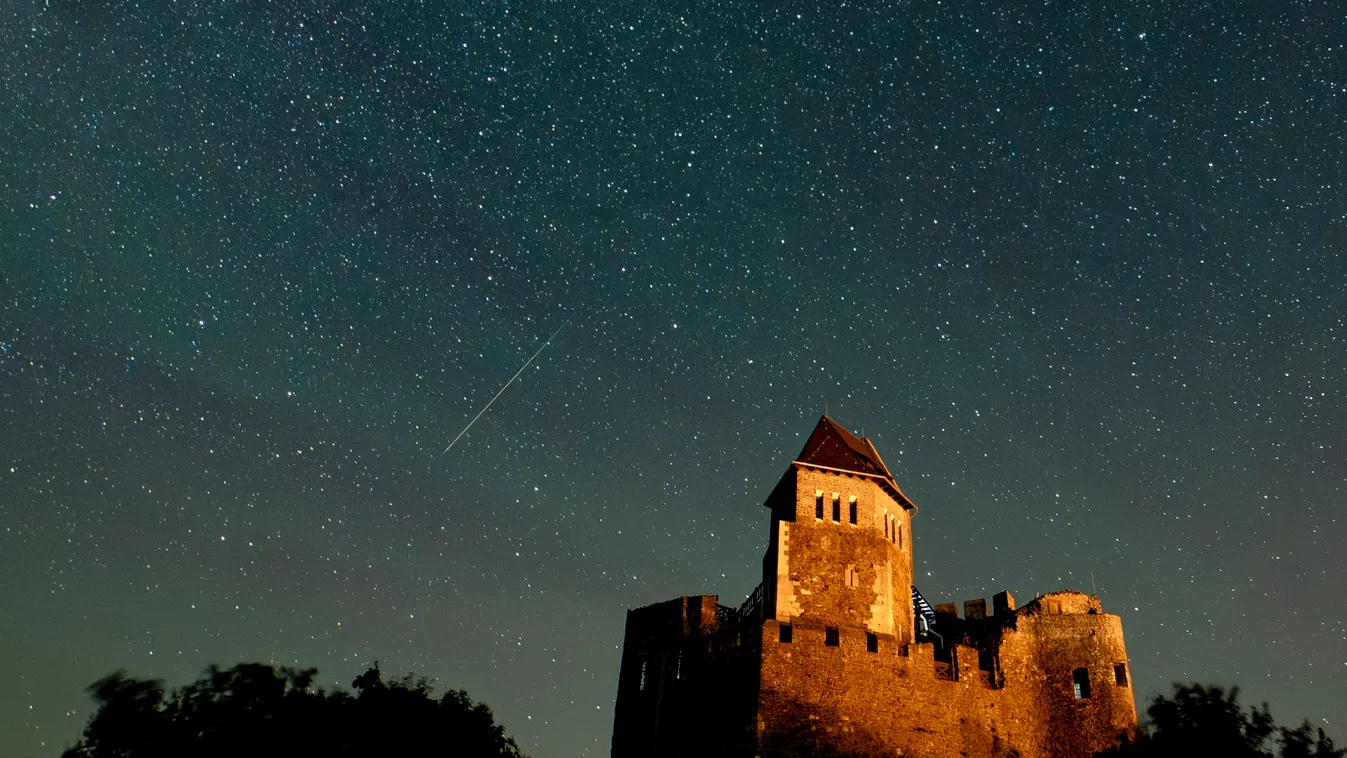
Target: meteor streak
(507, 384)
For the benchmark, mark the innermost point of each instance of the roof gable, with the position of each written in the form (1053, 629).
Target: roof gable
(834, 447)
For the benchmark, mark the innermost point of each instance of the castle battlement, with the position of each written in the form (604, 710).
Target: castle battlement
(836, 653)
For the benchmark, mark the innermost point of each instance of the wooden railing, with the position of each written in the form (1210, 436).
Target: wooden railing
(944, 670)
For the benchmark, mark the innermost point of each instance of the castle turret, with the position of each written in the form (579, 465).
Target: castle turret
(840, 552)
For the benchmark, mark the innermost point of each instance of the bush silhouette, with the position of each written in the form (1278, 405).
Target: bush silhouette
(256, 711)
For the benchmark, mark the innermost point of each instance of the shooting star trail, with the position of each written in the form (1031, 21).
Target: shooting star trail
(507, 384)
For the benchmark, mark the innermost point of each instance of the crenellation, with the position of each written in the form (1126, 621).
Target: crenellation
(834, 663)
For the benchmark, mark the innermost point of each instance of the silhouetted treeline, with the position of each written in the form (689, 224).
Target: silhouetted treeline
(254, 711)
(1209, 721)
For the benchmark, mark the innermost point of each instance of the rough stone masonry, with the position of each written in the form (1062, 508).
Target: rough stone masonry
(836, 653)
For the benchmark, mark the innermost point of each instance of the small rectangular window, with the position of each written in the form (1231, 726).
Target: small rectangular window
(837, 507)
(831, 637)
(852, 506)
(1080, 682)
(898, 530)
(785, 633)
(871, 642)
(1120, 674)
(818, 506)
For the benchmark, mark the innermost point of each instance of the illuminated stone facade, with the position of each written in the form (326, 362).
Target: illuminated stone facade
(834, 654)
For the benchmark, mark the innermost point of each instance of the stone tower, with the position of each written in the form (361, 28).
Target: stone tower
(840, 550)
(836, 654)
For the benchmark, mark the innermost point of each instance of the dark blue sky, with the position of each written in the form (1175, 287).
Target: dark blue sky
(1075, 268)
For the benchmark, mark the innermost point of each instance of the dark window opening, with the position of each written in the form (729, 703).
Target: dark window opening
(1080, 680)
(987, 668)
(837, 508)
(785, 633)
(986, 660)
(898, 530)
(945, 667)
(818, 506)
(830, 637)
(1120, 674)
(853, 511)
(871, 642)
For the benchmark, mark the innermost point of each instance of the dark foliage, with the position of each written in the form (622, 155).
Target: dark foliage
(254, 711)
(1306, 742)
(1209, 721)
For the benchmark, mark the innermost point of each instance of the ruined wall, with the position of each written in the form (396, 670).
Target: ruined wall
(816, 699)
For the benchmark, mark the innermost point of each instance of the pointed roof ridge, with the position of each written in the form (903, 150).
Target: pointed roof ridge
(831, 445)
(878, 459)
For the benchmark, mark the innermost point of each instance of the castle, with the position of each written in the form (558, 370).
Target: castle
(837, 654)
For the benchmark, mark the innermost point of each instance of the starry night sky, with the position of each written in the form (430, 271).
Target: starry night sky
(1075, 270)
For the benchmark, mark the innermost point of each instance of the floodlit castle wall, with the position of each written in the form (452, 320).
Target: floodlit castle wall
(816, 699)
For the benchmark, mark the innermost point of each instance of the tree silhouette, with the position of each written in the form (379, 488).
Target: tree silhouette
(255, 711)
(1201, 720)
(1306, 742)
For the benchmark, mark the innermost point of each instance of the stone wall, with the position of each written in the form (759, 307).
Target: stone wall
(849, 574)
(1045, 649)
(687, 685)
(826, 661)
(816, 699)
